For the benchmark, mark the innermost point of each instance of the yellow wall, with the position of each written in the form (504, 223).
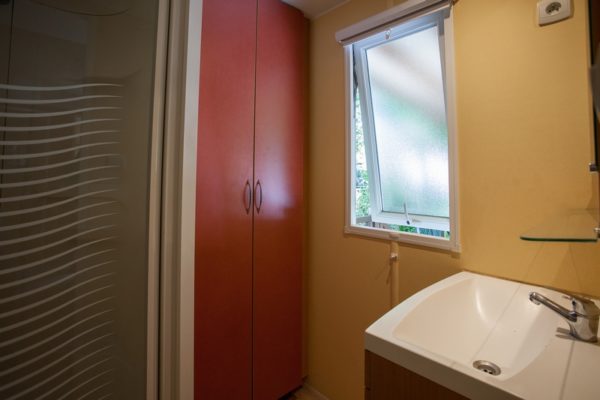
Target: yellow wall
(524, 137)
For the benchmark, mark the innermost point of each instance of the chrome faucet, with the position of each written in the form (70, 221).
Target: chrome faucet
(582, 319)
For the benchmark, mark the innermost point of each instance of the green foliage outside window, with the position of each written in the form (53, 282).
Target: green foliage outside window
(363, 202)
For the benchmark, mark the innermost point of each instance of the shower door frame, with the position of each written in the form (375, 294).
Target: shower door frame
(171, 309)
(171, 210)
(155, 196)
(170, 335)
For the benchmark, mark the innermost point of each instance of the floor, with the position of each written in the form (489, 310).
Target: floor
(305, 394)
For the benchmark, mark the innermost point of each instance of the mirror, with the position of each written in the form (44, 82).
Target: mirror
(595, 73)
(524, 115)
(581, 225)
(594, 13)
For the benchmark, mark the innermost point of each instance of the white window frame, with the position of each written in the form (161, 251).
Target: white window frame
(425, 19)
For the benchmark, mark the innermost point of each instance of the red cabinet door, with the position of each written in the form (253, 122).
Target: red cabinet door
(223, 283)
(278, 225)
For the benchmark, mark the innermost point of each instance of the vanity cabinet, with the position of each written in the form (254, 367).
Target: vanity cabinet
(385, 380)
(249, 206)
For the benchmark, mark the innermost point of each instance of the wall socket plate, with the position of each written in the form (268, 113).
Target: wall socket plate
(550, 11)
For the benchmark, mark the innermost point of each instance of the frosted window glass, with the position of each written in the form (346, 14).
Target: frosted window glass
(407, 93)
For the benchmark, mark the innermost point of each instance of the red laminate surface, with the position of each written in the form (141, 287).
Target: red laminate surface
(223, 286)
(278, 227)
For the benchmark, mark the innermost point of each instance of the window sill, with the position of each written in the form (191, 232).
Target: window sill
(402, 237)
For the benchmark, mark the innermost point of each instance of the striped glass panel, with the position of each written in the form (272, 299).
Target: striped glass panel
(76, 95)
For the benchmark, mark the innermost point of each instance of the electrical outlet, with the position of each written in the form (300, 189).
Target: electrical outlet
(550, 11)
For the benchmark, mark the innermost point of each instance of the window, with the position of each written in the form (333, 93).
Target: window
(401, 132)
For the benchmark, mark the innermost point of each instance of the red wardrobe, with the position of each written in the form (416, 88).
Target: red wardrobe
(249, 213)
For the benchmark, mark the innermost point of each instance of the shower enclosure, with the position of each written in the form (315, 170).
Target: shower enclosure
(79, 175)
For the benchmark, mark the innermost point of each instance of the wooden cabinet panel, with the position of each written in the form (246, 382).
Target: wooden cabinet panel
(278, 225)
(249, 262)
(223, 287)
(385, 380)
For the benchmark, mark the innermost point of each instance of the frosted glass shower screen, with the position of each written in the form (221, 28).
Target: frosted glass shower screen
(76, 92)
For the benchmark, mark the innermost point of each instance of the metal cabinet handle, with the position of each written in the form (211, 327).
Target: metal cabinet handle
(258, 195)
(248, 197)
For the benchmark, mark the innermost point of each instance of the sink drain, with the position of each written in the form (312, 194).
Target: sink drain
(487, 367)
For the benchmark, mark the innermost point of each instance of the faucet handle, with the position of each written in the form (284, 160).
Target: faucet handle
(583, 306)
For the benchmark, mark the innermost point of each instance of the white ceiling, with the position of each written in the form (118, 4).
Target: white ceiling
(314, 8)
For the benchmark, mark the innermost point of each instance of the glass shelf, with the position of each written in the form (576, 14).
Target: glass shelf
(574, 226)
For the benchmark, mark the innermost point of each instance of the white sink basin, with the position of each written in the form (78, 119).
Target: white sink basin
(442, 330)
